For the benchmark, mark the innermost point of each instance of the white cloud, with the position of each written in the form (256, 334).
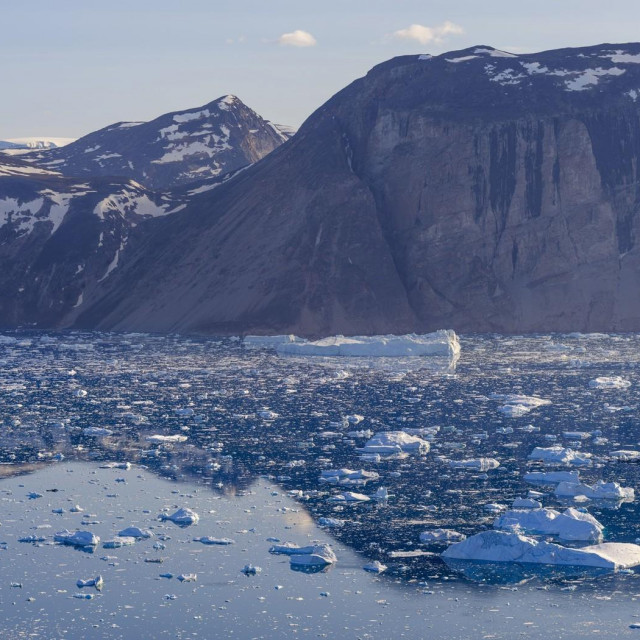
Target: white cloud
(297, 38)
(427, 35)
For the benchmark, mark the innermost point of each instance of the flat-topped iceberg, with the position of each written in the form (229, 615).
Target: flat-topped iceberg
(475, 464)
(77, 538)
(500, 546)
(390, 442)
(551, 477)
(516, 405)
(599, 491)
(570, 525)
(439, 343)
(441, 535)
(560, 455)
(347, 476)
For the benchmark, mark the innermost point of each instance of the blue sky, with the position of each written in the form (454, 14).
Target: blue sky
(70, 67)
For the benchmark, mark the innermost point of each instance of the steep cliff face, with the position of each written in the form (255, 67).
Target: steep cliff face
(476, 190)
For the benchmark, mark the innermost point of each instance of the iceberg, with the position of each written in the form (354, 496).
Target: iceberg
(570, 525)
(77, 538)
(560, 455)
(439, 343)
(526, 503)
(500, 546)
(599, 491)
(516, 406)
(214, 541)
(475, 464)
(390, 442)
(183, 517)
(161, 438)
(349, 496)
(135, 532)
(551, 477)
(625, 455)
(347, 476)
(375, 567)
(441, 535)
(319, 556)
(118, 542)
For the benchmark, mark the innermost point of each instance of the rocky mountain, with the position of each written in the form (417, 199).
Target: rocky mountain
(477, 190)
(174, 149)
(61, 237)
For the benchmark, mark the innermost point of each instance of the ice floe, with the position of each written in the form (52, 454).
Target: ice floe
(441, 535)
(561, 456)
(475, 464)
(599, 491)
(391, 442)
(611, 382)
(77, 538)
(183, 517)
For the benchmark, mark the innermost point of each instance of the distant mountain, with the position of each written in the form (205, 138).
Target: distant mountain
(477, 190)
(175, 149)
(31, 143)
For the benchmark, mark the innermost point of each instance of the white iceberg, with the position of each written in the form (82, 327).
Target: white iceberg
(439, 343)
(500, 546)
(441, 535)
(183, 517)
(609, 382)
(560, 455)
(516, 405)
(214, 541)
(77, 538)
(551, 477)
(97, 582)
(320, 555)
(161, 438)
(291, 549)
(392, 442)
(625, 455)
(375, 567)
(570, 525)
(599, 491)
(349, 496)
(347, 476)
(118, 542)
(526, 503)
(475, 464)
(135, 532)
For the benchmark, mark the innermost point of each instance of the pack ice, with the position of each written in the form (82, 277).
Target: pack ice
(439, 343)
(500, 546)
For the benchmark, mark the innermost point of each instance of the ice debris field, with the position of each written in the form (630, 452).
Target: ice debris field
(153, 479)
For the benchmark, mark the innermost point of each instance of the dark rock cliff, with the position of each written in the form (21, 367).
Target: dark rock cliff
(477, 190)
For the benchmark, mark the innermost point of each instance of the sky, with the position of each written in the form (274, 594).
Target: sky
(70, 67)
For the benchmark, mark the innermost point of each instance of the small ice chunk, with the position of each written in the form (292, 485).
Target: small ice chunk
(183, 517)
(135, 532)
(118, 542)
(319, 555)
(347, 476)
(375, 567)
(97, 582)
(188, 577)
(330, 522)
(349, 496)
(526, 503)
(475, 464)
(441, 535)
(391, 442)
(214, 541)
(250, 570)
(161, 438)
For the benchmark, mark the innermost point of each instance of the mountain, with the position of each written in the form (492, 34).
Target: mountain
(476, 190)
(61, 237)
(34, 142)
(175, 149)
